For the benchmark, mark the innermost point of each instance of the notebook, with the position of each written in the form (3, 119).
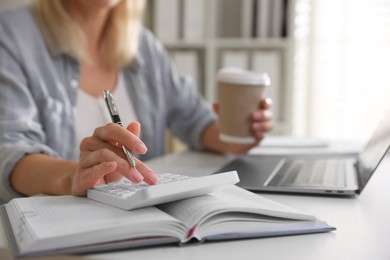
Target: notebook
(53, 225)
(333, 174)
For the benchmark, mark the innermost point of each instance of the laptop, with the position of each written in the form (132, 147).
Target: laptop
(332, 174)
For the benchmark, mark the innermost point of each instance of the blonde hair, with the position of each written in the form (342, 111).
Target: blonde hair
(119, 39)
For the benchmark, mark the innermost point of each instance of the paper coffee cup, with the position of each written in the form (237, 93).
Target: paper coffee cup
(240, 92)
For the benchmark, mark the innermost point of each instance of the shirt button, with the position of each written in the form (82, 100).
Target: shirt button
(74, 83)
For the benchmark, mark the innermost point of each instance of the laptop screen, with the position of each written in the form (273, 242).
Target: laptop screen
(375, 150)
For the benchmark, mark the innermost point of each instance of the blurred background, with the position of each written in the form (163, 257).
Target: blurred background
(329, 60)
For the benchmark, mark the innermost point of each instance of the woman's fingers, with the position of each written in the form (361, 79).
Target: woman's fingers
(150, 177)
(134, 127)
(216, 107)
(112, 177)
(92, 144)
(262, 126)
(87, 178)
(262, 115)
(262, 119)
(142, 172)
(266, 103)
(114, 133)
(90, 159)
(102, 159)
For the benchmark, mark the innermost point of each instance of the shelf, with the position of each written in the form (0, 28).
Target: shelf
(252, 43)
(272, 43)
(185, 44)
(211, 49)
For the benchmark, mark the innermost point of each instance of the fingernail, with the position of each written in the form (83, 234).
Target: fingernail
(141, 148)
(256, 126)
(151, 178)
(137, 176)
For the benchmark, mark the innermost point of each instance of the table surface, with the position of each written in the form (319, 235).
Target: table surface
(362, 222)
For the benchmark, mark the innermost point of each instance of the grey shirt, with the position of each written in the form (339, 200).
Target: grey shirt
(38, 91)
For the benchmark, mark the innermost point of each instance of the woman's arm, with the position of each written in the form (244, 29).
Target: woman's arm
(101, 160)
(41, 174)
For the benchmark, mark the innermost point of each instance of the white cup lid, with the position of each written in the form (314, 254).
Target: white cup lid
(236, 75)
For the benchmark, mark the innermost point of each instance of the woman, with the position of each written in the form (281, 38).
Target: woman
(55, 60)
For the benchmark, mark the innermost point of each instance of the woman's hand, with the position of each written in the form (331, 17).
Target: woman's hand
(261, 124)
(262, 119)
(102, 159)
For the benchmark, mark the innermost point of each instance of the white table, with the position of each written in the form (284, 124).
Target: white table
(363, 223)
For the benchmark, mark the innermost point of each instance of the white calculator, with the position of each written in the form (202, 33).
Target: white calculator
(127, 195)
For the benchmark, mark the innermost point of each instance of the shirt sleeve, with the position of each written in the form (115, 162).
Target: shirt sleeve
(20, 130)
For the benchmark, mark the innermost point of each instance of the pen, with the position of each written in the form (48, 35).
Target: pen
(117, 120)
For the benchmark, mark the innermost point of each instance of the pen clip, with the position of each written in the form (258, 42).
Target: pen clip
(110, 103)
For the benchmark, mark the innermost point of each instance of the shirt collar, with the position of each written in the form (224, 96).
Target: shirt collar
(137, 63)
(56, 51)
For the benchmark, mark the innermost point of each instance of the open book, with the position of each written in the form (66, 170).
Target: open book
(38, 226)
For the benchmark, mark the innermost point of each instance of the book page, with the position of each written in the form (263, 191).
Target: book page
(47, 223)
(195, 210)
(236, 213)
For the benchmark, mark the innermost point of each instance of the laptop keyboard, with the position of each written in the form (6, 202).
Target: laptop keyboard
(316, 173)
